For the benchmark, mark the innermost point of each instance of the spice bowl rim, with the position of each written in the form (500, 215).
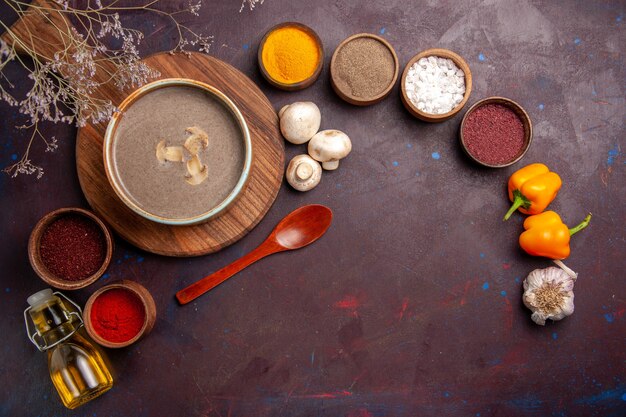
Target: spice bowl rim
(114, 178)
(146, 300)
(370, 100)
(301, 85)
(519, 111)
(459, 62)
(39, 266)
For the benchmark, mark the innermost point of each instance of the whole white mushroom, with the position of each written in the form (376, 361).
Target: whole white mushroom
(303, 173)
(328, 147)
(299, 121)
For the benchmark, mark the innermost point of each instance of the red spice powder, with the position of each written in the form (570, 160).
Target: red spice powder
(117, 315)
(72, 247)
(494, 134)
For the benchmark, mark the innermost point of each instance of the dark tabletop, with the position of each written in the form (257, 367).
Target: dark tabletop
(411, 304)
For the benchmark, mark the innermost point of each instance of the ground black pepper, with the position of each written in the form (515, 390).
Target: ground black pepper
(365, 67)
(72, 247)
(494, 134)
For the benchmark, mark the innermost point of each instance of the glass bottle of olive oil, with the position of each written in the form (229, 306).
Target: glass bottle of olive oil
(77, 368)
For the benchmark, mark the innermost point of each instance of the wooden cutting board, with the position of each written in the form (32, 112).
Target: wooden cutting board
(265, 178)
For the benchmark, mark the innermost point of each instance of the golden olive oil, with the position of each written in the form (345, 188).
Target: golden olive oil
(77, 368)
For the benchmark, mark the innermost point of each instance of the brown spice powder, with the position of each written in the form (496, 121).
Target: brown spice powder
(364, 68)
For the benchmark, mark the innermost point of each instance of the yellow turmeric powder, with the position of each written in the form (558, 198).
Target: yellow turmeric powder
(290, 55)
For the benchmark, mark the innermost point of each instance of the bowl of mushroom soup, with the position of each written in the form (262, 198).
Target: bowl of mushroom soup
(178, 152)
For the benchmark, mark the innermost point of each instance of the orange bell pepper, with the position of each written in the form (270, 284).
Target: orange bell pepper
(546, 235)
(532, 188)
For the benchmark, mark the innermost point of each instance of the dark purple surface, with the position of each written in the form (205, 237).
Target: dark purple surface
(411, 304)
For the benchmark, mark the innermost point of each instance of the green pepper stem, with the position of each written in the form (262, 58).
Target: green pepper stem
(517, 202)
(581, 226)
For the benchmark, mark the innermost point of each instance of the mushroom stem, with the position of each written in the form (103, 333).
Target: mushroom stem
(331, 165)
(304, 171)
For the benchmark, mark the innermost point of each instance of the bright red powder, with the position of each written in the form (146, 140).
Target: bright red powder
(117, 315)
(494, 134)
(72, 247)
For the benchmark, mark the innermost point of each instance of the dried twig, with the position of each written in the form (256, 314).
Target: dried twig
(251, 4)
(85, 50)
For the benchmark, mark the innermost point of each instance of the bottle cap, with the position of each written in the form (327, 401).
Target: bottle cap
(40, 297)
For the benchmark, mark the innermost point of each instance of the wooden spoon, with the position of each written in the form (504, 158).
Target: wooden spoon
(298, 229)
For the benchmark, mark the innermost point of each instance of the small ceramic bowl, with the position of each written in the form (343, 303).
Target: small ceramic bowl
(39, 266)
(157, 182)
(459, 62)
(301, 84)
(347, 95)
(137, 290)
(521, 113)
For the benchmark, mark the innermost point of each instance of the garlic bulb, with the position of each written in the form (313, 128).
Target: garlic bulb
(549, 294)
